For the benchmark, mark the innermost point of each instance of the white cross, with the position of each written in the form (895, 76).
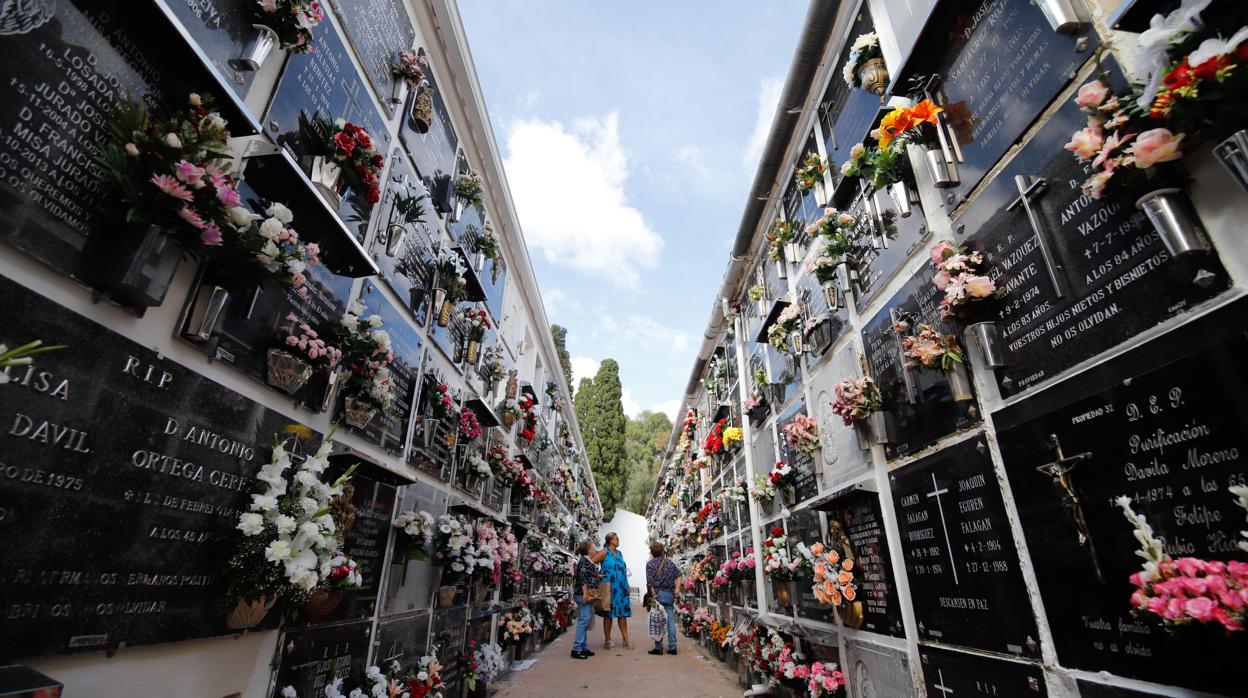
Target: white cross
(936, 492)
(941, 685)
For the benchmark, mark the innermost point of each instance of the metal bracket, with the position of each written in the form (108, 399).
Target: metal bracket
(894, 317)
(1026, 190)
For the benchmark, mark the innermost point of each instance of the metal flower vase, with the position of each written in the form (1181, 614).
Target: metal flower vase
(832, 294)
(1232, 152)
(959, 382)
(207, 311)
(904, 196)
(941, 168)
(396, 233)
(987, 336)
(782, 269)
(398, 91)
(258, 48)
(428, 429)
(358, 413)
(422, 111)
(1170, 211)
(473, 353)
(877, 429)
(795, 342)
(248, 614)
(1061, 14)
(873, 76)
(287, 372)
(133, 266)
(326, 176)
(441, 307)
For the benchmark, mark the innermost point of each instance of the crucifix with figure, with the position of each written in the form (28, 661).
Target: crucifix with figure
(1060, 470)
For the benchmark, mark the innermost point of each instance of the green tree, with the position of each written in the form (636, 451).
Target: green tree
(644, 441)
(560, 334)
(600, 412)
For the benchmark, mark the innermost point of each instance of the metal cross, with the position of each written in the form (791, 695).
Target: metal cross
(940, 684)
(1060, 470)
(936, 492)
(1027, 190)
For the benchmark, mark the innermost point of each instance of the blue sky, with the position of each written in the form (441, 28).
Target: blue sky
(630, 134)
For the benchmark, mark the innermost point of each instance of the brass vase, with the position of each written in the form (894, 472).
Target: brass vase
(248, 614)
(422, 110)
(873, 76)
(851, 613)
(473, 352)
(321, 603)
(445, 312)
(784, 592)
(287, 372)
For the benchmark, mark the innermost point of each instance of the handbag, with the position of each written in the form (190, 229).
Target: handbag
(601, 597)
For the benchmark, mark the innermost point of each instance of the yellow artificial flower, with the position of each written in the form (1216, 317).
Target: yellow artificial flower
(732, 436)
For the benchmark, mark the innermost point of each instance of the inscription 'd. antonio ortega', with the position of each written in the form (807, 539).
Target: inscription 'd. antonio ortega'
(960, 555)
(118, 470)
(1172, 439)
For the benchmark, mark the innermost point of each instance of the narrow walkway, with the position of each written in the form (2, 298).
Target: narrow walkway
(620, 673)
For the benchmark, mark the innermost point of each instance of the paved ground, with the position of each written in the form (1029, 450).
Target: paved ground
(619, 673)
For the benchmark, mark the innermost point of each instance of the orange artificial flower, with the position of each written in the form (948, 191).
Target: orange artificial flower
(924, 113)
(850, 593)
(847, 564)
(893, 124)
(845, 578)
(836, 598)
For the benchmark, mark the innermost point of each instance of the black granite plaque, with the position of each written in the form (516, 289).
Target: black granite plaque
(822, 326)
(1111, 278)
(324, 83)
(222, 29)
(120, 469)
(807, 485)
(403, 251)
(856, 527)
(377, 30)
(450, 630)
(920, 398)
(311, 658)
(430, 450)
(846, 113)
(66, 65)
(389, 428)
(1169, 436)
(806, 526)
(404, 640)
(1090, 689)
(433, 151)
(951, 674)
(889, 234)
(1000, 63)
(961, 559)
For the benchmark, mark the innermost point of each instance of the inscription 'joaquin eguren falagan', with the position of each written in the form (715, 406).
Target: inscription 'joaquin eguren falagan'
(118, 471)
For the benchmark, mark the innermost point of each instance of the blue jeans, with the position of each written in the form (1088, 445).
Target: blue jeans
(667, 600)
(584, 614)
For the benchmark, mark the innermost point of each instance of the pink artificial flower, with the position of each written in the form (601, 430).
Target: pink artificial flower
(172, 187)
(269, 6)
(229, 197)
(303, 291)
(1156, 146)
(189, 173)
(1095, 186)
(190, 216)
(941, 250)
(1092, 94)
(1111, 144)
(1200, 608)
(980, 286)
(292, 340)
(1220, 615)
(1086, 143)
(298, 280)
(210, 235)
(941, 280)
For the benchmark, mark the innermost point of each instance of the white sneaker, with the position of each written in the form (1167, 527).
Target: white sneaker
(608, 645)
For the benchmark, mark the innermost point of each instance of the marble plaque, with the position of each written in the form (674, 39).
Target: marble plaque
(377, 30)
(875, 671)
(960, 556)
(121, 470)
(1110, 276)
(920, 398)
(1162, 425)
(950, 674)
(856, 527)
(843, 460)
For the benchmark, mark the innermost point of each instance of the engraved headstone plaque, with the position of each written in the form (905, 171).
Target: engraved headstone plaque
(843, 460)
(314, 657)
(875, 671)
(388, 428)
(377, 30)
(948, 673)
(856, 528)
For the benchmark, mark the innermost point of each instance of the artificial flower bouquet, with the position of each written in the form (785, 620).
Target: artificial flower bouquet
(788, 322)
(292, 21)
(410, 68)
(824, 679)
(417, 526)
(289, 540)
(802, 434)
(834, 576)
(734, 494)
(1121, 148)
(856, 399)
(810, 172)
(836, 226)
(449, 273)
(367, 354)
(504, 468)
(487, 244)
(779, 563)
(440, 403)
(469, 188)
(515, 626)
(782, 476)
(865, 48)
(476, 322)
(763, 490)
(962, 276)
(780, 235)
(311, 347)
(344, 573)
(351, 148)
(713, 444)
(701, 620)
(425, 677)
(756, 293)
(470, 428)
(928, 348)
(453, 544)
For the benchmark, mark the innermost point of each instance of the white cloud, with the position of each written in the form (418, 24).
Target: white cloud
(768, 97)
(632, 408)
(568, 185)
(583, 367)
(668, 407)
(638, 328)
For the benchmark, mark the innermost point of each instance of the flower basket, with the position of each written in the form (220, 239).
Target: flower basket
(321, 603)
(873, 75)
(248, 614)
(287, 372)
(132, 266)
(358, 413)
(326, 176)
(1232, 152)
(1170, 212)
(258, 48)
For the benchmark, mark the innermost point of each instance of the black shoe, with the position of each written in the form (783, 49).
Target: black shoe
(587, 653)
(578, 655)
(672, 651)
(656, 651)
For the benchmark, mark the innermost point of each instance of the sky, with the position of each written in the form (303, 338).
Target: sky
(630, 134)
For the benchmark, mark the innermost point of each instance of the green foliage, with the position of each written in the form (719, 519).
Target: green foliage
(645, 438)
(560, 334)
(601, 416)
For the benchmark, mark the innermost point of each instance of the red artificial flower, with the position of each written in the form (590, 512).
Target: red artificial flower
(344, 142)
(1209, 69)
(1181, 76)
(1241, 53)
(777, 531)
(361, 137)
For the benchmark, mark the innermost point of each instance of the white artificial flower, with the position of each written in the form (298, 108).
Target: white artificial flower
(1214, 47)
(382, 337)
(215, 120)
(334, 689)
(250, 524)
(356, 693)
(173, 140)
(263, 502)
(284, 524)
(240, 217)
(295, 266)
(306, 479)
(277, 551)
(356, 308)
(289, 692)
(280, 212)
(270, 228)
(309, 505)
(374, 320)
(350, 322)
